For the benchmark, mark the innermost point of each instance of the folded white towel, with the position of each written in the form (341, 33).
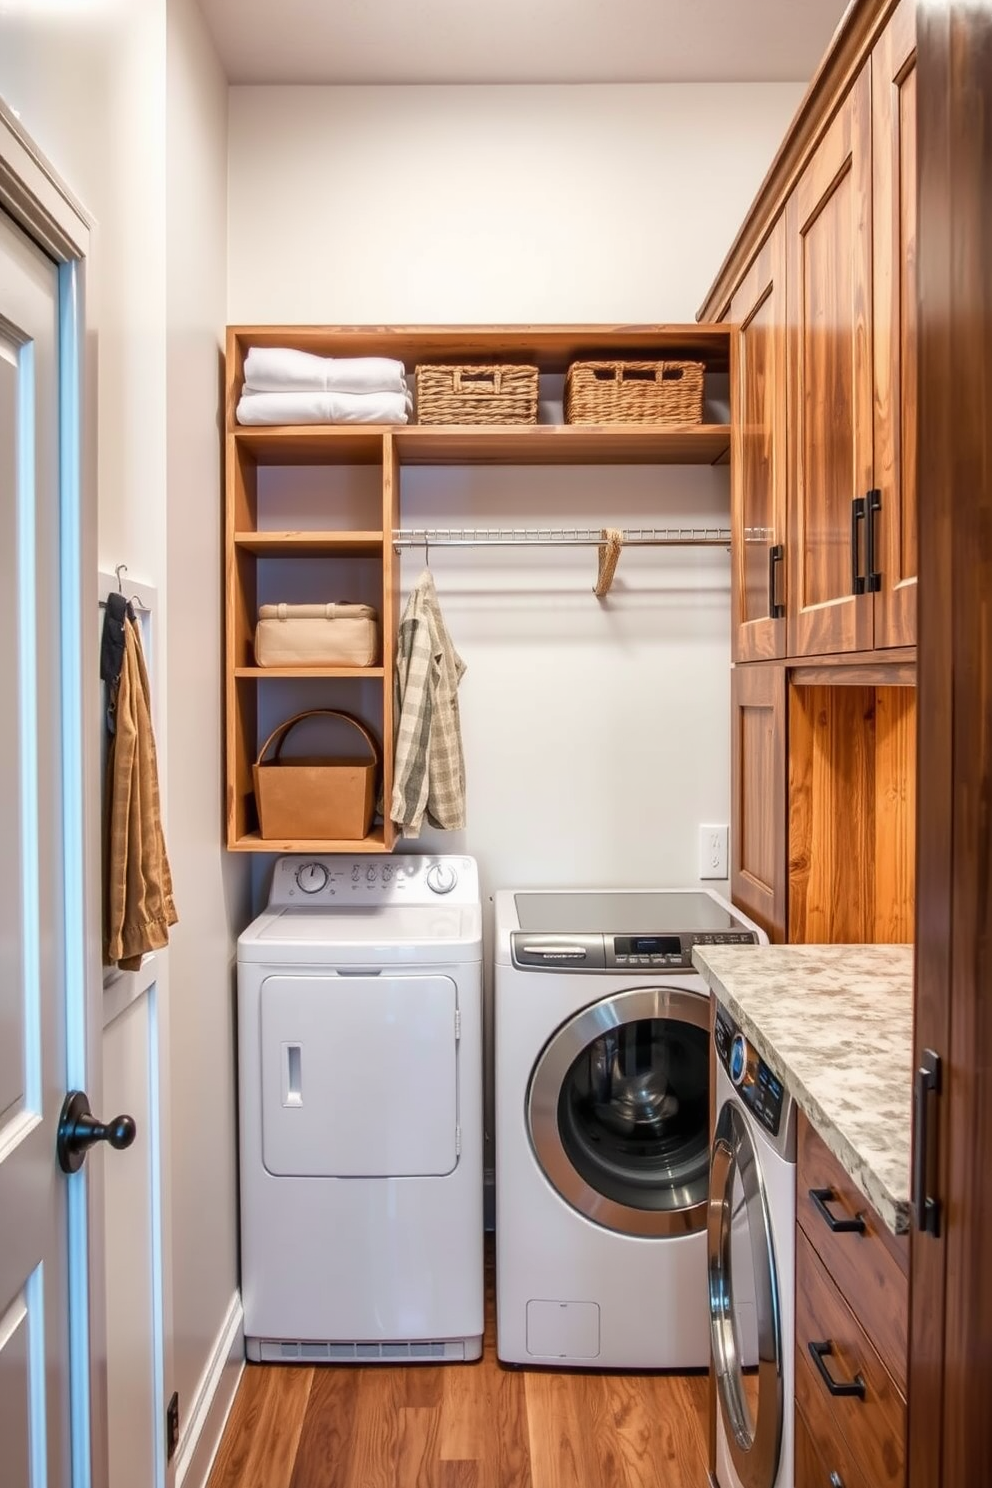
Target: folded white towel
(279, 369)
(324, 408)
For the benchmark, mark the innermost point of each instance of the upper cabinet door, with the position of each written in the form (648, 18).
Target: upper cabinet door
(894, 219)
(828, 225)
(758, 473)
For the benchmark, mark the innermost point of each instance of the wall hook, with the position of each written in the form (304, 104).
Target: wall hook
(121, 568)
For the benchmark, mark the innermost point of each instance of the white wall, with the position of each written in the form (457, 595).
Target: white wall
(88, 82)
(380, 205)
(596, 734)
(210, 885)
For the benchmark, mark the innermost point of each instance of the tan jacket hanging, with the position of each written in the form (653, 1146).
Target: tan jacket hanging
(138, 905)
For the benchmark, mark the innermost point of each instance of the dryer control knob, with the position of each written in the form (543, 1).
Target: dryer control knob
(441, 878)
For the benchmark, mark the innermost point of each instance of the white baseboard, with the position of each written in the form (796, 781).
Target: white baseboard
(215, 1394)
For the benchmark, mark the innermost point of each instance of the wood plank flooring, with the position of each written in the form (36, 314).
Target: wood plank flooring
(462, 1426)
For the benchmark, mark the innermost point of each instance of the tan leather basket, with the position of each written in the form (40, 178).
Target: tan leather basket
(315, 798)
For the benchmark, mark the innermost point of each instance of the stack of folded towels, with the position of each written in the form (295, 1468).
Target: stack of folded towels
(283, 386)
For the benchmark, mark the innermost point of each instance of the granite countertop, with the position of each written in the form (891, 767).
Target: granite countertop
(836, 1024)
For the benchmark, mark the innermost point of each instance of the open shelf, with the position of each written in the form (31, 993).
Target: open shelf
(252, 842)
(492, 444)
(361, 673)
(562, 444)
(309, 544)
(255, 482)
(312, 444)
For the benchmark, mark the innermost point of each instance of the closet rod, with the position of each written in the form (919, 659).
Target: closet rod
(575, 537)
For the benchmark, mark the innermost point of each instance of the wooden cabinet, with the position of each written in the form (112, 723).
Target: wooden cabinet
(852, 1301)
(828, 232)
(311, 512)
(758, 790)
(893, 76)
(758, 468)
(824, 478)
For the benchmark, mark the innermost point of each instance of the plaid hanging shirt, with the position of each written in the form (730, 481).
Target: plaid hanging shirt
(429, 770)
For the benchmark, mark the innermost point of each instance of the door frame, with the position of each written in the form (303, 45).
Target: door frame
(32, 193)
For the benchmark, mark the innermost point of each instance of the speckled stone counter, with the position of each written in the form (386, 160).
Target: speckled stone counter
(836, 1024)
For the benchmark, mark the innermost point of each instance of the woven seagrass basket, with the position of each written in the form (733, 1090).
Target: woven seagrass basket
(504, 394)
(634, 393)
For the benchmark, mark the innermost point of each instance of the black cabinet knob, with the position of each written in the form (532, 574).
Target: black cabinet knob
(79, 1130)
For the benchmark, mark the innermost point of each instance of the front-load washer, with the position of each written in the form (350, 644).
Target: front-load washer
(360, 1045)
(602, 1040)
(752, 1219)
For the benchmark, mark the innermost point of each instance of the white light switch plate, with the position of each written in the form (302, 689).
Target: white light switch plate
(713, 852)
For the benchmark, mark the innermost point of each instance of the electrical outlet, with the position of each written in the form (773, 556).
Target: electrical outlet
(713, 852)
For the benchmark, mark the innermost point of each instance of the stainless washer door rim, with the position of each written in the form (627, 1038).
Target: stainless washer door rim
(562, 1049)
(755, 1457)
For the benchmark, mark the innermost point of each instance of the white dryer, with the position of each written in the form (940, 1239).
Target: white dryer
(602, 1125)
(752, 1227)
(360, 1045)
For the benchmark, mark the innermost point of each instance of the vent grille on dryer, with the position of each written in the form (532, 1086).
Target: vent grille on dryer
(358, 1353)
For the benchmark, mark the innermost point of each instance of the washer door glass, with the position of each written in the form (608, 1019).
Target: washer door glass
(618, 1111)
(745, 1327)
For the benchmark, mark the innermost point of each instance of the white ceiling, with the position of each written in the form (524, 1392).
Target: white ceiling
(521, 41)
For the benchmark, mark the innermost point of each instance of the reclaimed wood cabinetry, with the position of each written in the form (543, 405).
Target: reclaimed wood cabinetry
(893, 78)
(852, 1300)
(823, 335)
(759, 871)
(829, 269)
(758, 468)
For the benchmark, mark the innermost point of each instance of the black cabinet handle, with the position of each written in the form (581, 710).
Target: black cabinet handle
(927, 1081)
(873, 505)
(776, 555)
(821, 1198)
(857, 515)
(821, 1351)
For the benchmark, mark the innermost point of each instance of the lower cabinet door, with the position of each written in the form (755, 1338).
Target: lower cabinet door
(759, 868)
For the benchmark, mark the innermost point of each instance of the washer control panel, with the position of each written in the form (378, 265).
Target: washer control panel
(636, 953)
(327, 879)
(757, 1085)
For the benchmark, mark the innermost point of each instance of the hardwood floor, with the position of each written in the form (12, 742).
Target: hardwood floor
(462, 1426)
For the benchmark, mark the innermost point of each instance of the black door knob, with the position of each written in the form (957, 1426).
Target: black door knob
(79, 1129)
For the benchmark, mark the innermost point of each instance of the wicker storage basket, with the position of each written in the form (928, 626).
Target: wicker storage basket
(502, 394)
(309, 798)
(634, 393)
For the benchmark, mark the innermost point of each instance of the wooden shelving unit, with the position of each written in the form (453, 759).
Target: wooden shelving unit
(249, 542)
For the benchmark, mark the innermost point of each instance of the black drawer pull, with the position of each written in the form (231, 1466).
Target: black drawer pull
(821, 1198)
(821, 1351)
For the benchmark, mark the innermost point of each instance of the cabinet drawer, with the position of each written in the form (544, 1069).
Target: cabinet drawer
(870, 1266)
(823, 1464)
(873, 1423)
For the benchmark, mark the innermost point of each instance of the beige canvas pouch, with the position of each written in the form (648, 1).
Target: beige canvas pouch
(317, 635)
